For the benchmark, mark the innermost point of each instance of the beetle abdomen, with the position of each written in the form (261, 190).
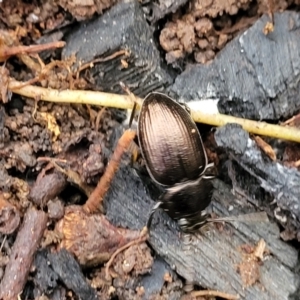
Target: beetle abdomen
(170, 142)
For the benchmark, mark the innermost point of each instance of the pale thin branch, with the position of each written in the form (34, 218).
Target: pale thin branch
(125, 102)
(215, 294)
(260, 128)
(70, 96)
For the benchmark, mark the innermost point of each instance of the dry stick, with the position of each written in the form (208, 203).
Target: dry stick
(143, 238)
(29, 63)
(101, 59)
(270, 5)
(103, 185)
(26, 243)
(9, 216)
(7, 51)
(215, 294)
(98, 118)
(3, 242)
(122, 101)
(260, 128)
(70, 96)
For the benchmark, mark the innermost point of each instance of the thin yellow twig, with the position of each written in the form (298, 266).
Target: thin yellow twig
(70, 96)
(215, 294)
(260, 128)
(124, 102)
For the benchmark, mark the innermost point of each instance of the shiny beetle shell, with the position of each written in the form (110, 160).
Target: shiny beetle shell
(170, 141)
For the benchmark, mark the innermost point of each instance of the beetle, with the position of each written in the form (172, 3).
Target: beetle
(176, 159)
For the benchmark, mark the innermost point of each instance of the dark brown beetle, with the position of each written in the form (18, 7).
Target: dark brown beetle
(176, 159)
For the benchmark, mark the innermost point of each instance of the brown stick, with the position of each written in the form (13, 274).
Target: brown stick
(271, 10)
(101, 59)
(6, 52)
(23, 250)
(142, 238)
(9, 216)
(101, 189)
(215, 294)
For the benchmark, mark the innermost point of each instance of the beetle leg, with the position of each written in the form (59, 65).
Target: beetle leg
(134, 100)
(154, 209)
(132, 114)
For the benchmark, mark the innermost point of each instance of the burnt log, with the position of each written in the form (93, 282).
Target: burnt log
(123, 28)
(209, 261)
(157, 10)
(252, 169)
(255, 76)
(69, 272)
(22, 255)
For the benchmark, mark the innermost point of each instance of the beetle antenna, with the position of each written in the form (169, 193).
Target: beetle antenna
(244, 218)
(136, 101)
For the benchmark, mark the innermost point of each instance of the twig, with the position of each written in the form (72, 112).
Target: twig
(44, 70)
(103, 185)
(9, 216)
(27, 241)
(124, 102)
(142, 238)
(74, 177)
(3, 242)
(260, 128)
(6, 52)
(270, 5)
(215, 294)
(98, 118)
(101, 59)
(68, 96)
